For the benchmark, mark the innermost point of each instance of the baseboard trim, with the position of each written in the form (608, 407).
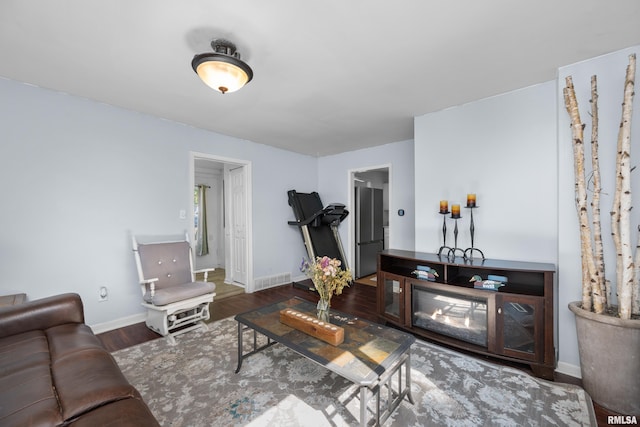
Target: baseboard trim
(569, 369)
(100, 328)
(299, 278)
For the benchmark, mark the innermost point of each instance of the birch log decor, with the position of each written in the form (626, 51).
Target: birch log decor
(623, 187)
(602, 284)
(592, 297)
(596, 295)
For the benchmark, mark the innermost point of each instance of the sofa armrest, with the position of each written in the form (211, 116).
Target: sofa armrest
(41, 314)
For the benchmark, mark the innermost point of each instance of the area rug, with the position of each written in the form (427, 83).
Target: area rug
(193, 384)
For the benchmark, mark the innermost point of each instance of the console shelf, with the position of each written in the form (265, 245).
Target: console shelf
(513, 323)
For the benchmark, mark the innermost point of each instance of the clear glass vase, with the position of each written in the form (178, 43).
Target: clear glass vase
(323, 310)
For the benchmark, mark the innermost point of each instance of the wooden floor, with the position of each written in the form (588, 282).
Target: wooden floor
(358, 300)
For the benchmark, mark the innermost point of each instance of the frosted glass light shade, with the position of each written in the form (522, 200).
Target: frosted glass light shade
(222, 69)
(222, 76)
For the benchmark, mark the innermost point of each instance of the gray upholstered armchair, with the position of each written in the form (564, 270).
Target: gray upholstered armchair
(175, 302)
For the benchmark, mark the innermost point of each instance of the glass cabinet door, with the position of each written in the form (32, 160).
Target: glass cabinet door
(519, 323)
(393, 296)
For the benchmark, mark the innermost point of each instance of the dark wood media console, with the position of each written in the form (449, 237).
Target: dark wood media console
(513, 323)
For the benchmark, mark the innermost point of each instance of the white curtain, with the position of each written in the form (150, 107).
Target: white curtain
(202, 241)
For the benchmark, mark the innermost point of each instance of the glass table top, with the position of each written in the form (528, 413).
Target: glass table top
(368, 350)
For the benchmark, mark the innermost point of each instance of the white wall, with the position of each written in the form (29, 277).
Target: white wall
(514, 151)
(335, 185)
(78, 177)
(503, 149)
(610, 71)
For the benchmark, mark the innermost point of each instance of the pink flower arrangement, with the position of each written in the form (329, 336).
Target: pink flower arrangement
(327, 276)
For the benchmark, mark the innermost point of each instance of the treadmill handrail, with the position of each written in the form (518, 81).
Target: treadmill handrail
(329, 211)
(322, 212)
(308, 220)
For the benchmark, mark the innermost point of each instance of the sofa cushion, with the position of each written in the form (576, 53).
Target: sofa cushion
(85, 375)
(21, 351)
(123, 413)
(28, 398)
(88, 379)
(67, 339)
(26, 390)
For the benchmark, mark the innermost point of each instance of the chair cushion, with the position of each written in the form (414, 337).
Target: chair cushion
(167, 262)
(179, 293)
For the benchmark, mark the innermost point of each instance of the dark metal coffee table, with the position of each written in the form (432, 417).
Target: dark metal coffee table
(370, 356)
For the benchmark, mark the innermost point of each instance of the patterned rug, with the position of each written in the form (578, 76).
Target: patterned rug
(193, 384)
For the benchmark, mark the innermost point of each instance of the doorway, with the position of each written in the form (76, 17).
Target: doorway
(228, 208)
(369, 199)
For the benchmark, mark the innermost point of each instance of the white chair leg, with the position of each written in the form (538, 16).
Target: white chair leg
(204, 327)
(171, 340)
(157, 321)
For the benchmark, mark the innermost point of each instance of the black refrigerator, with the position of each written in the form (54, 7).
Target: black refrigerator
(369, 231)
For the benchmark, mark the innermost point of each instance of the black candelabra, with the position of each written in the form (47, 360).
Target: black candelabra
(444, 233)
(451, 252)
(472, 230)
(454, 251)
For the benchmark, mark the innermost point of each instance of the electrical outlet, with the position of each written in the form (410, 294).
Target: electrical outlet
(103, 293)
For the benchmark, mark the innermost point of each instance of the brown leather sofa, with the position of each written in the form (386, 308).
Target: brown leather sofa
(55, 372)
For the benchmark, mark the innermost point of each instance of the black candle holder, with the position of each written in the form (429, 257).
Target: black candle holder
(472, 230)
(444, 233)
(453, 251)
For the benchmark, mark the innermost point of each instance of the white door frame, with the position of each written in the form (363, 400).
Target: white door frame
(246, 167)
(352, 203)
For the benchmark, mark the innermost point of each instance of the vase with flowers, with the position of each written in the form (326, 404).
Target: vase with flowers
(328, 278)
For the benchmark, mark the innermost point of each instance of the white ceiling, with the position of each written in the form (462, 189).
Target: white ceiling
(329, 76)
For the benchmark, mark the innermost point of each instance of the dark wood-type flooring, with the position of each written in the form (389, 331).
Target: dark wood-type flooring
(358, 300)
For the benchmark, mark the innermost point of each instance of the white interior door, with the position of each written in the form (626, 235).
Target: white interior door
(235, 208)
(238, 225)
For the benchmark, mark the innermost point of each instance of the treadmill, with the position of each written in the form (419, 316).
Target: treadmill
(318, 225)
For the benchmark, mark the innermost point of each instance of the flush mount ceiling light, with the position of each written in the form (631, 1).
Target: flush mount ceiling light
(222, 69)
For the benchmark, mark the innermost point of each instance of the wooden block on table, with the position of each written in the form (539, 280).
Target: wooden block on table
(324, 331)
